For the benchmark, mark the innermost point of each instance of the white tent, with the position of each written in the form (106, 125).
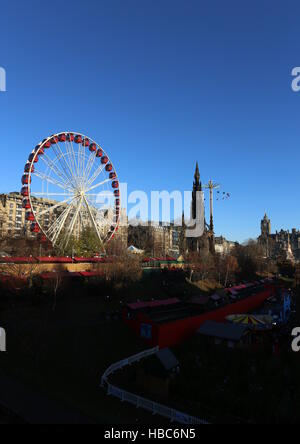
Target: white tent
(134, 250)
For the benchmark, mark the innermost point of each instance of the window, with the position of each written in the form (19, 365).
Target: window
(146, 331)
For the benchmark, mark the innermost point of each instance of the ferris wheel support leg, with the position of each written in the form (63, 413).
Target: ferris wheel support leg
(73, 222)
(61, 224)
(94, 222)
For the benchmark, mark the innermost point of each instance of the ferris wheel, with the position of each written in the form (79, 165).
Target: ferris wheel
(70, 185)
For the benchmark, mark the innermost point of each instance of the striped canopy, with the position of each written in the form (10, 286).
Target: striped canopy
(255, 322)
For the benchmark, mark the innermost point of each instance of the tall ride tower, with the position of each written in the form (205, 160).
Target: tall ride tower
(211, 186)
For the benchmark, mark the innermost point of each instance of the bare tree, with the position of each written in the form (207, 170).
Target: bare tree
(56, 283)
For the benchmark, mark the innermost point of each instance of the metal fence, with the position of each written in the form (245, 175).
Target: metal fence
(138, 401)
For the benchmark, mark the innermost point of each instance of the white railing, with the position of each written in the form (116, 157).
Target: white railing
(138, 401)
(128, 361)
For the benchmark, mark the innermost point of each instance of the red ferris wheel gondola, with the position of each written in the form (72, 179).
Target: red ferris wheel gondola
(26, 204)
(25, 192)
(29, 168)
(34, 228)
(78, 138)
(30, 216)
(86, 142)
(26, 179)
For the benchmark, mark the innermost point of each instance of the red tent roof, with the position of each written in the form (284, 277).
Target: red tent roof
(92, 260)
(91, 273)
(54, 260)
(171, 259)
(152, 304)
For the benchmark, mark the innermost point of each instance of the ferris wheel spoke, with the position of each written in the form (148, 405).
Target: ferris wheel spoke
(96, 173)
(89, 166)
(51, 180)
(73, 162)
(81, 162)
(73, 159)
(73, 222)
(52, 165)
(107, 194)
(92, 219)
(98, 185)
(105, 197)
(50, 194)
(98, 212)
(59, 224)
(59, 204)
(65, 165)
(66, 162)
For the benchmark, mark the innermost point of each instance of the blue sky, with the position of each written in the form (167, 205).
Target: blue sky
(161, 84)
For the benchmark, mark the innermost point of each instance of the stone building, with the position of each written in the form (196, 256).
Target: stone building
(223, 246)
(12, 214)
(283, 243)
(155, 238)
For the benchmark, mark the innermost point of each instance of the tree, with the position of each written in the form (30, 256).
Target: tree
(231, 266)
(201, 263)
(125, 268)
(87, 244)
(250, 258)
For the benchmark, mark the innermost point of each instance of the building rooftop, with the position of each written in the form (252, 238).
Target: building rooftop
(164, 311)
(167, 359)
(153, 304)
(229, 332)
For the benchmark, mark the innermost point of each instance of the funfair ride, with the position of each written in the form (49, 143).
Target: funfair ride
(79, 188)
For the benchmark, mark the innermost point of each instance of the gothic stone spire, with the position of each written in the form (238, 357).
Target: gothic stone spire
(197, 183)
